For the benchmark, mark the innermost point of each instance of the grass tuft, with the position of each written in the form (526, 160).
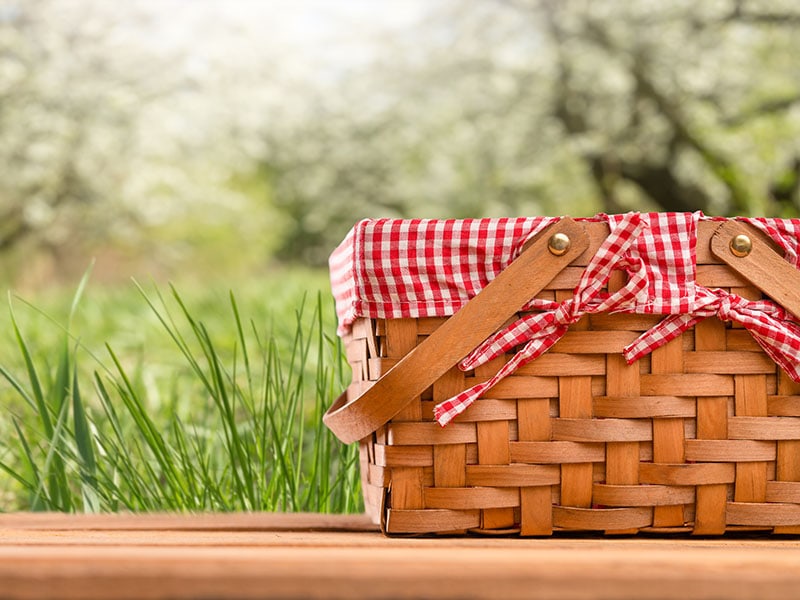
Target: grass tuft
(230, 419)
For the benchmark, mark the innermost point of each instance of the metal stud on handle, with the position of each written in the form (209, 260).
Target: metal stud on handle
(741, 245)
(558, 244)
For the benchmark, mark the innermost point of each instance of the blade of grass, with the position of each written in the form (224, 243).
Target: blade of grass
(59, 498)
(146, 427)
(33, 376)
(31, 463)
(85, 444)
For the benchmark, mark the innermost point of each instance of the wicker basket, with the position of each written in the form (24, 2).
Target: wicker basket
(702, 435)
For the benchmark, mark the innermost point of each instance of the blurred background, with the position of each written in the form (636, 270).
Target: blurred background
(201, 139)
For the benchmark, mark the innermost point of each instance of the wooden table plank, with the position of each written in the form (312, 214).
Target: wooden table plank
(186, 522)
(262, 556)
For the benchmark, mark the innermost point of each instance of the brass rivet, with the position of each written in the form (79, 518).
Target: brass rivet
(558, 244)
(741, 245)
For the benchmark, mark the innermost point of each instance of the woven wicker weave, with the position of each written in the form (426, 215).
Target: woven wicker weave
(702, 435)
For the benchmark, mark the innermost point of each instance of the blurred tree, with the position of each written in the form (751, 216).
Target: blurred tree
(119, 132)
(693, 82)
(509, 107)
(67, 109)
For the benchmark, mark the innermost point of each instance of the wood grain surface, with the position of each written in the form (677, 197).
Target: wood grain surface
(316, 556)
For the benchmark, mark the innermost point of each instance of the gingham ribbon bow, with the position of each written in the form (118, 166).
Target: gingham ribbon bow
(540, 331)
(770, 325)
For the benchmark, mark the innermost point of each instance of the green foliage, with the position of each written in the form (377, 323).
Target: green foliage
(210, 420)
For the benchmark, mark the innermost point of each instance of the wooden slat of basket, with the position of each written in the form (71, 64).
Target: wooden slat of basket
(533, 420)
(783, 491)
(698, 474)
(575, 401)
(407, 484)
(750, 400)
(739, 340)
(728, 362)
(493, 449)
(406, 481)
(513, 475)
(668, 433)
(449, 460)
(623, 322)
(622, 455)
(787, 464)
(493, 441)
(466, 498)
(687, 384)
(783, 406)
(405, 456)
(643, 495)
(556, 364)
(762, 514)
(623, 381)
(424, 434)
(557, 452)
(483, 409)
(450, 465)
(600, 519)
(603, 430)
(536, 511)
(536, 514)
(719, 276)
(432, 520)
(741, 451)
(594, 342)
(520, 386)
(764, 428)
(373, 479)
(712, 417)
(644, 407)
(712, 423)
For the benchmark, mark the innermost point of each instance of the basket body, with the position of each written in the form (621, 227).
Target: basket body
(702, 435)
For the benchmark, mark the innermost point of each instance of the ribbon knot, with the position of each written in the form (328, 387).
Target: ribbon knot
(537, 332)
(774, 329)
(567, 313)
(728, 306)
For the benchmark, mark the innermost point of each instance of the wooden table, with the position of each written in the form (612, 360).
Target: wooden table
(317, 556)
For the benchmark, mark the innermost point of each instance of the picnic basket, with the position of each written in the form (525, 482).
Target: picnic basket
(619, 373)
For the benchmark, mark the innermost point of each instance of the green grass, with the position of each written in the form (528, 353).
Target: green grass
(198, 401)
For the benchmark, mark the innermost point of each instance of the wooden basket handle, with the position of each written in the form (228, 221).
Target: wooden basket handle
(761, 265)
(488, 311)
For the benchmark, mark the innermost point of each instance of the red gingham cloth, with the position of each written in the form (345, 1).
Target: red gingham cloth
(769, 324)
(390, 268)
(416, 268)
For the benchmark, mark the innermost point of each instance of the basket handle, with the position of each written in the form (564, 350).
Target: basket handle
(760, 264)
(484, 314)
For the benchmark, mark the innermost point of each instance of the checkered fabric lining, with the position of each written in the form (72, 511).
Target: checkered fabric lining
(389, 268)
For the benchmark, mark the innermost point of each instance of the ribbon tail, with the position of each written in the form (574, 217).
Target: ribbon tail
(448, 410)
(527, 327)
(667, 330)
(786, 357)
